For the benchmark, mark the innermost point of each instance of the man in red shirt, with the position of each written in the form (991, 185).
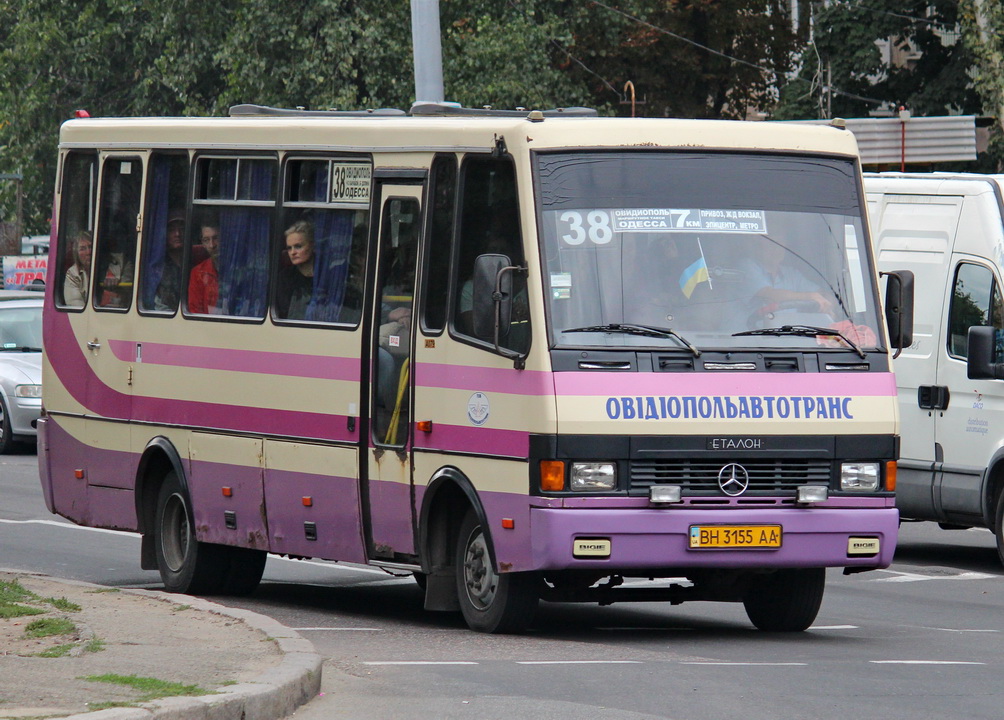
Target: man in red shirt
(204, 281)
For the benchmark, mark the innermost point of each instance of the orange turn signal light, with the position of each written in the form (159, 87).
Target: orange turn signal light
(78, 473)
(308, 501)
(228, 491)
(890, 475)
(552, 475)
(424, 426)
(508, 523)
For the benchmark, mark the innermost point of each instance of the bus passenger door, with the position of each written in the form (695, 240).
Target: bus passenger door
(388, 494)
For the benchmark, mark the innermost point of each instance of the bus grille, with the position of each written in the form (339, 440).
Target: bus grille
(701, 476)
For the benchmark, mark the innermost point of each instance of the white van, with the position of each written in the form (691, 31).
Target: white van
(948, 229)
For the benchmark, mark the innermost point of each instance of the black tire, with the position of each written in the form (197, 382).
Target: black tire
(186, 565)
(999, 526)
(246, 566)
(6, 434)
(785, 600)
(491, 602)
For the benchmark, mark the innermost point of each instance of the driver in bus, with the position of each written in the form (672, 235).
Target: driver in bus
(773, 283)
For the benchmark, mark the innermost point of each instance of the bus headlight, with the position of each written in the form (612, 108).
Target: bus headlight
(859, 476)
(593, 476)
(28, 391)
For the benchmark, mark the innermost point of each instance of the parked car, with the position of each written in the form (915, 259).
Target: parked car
(20, 366)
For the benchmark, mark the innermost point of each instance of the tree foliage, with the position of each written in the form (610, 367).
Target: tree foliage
(844, 74)
(684, 58)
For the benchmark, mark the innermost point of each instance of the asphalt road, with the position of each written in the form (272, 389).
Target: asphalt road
(919, 640)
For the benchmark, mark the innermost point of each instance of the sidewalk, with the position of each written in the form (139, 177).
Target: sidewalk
(250, 666)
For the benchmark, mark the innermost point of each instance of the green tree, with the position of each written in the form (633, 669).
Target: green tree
(983, 31)
(843, 73)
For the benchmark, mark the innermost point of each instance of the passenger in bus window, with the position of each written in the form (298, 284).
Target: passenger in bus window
(116, 276)
(75, 283)
(204, 280)
(169, 288)
(296, 281)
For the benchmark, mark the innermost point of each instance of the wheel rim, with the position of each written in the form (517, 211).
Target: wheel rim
(479, 576)
(175, 532)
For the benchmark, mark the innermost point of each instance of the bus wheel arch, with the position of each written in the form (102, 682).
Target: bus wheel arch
(158, 460)
(447, 499)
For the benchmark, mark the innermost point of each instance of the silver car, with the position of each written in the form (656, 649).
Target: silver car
(20, 366)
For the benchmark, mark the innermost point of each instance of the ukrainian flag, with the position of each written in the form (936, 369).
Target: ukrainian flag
(694, 275)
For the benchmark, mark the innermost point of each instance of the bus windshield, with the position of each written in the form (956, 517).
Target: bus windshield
(727, 250)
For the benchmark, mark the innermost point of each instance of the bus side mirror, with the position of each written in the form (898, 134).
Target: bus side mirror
(980, 363)
(486, 275)
(899, 308)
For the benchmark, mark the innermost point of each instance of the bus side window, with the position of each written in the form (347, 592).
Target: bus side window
(164, 233)
(232, 219)
(75, 242)
(489, 224)
(435, 297)
(115, 249)
(322, 249)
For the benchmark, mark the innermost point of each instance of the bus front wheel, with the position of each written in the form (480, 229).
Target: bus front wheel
(491, 602)
(785, 600)
(186, 565)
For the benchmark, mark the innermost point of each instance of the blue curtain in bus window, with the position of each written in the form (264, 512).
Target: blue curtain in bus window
(243, 260)
(332, 244)
(155, 232)
(244, 246)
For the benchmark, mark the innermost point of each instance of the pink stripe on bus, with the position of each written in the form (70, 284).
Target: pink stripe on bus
(458, 438)
(255, 361)
(610, 384)
(484, 379)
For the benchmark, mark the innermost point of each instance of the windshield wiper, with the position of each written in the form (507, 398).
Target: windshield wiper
(19, 348)
(803, 331)
(632, 329)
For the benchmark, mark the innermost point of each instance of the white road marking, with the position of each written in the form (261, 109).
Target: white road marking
(834, 627)
(925, 662)
(917, 577)
(66, 525)
(579, 662)
(742, 664)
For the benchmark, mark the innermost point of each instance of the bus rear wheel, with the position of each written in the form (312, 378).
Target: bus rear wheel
(785, 600)
(491, 602)
(186, 565)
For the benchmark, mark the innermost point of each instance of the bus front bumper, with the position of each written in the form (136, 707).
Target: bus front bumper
(633, 541)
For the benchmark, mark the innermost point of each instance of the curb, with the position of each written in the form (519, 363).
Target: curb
(274, 694)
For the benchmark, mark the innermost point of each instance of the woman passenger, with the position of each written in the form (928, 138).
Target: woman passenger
(76, 281)
(296, 281)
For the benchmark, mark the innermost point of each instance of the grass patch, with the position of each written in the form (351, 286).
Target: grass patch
(12, 595)
(180, 608)
(47, 627)
(95, 645)
(56, 651)
(150, 688)
(104, 590)
(63, 604)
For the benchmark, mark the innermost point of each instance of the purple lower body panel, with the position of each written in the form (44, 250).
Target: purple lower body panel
(654, 539)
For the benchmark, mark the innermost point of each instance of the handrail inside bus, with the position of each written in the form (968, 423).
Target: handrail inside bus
(252, 109)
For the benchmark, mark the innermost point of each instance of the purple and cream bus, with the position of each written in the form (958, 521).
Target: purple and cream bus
(523, 355)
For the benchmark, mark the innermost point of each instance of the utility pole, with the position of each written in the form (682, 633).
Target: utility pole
(428, 51)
